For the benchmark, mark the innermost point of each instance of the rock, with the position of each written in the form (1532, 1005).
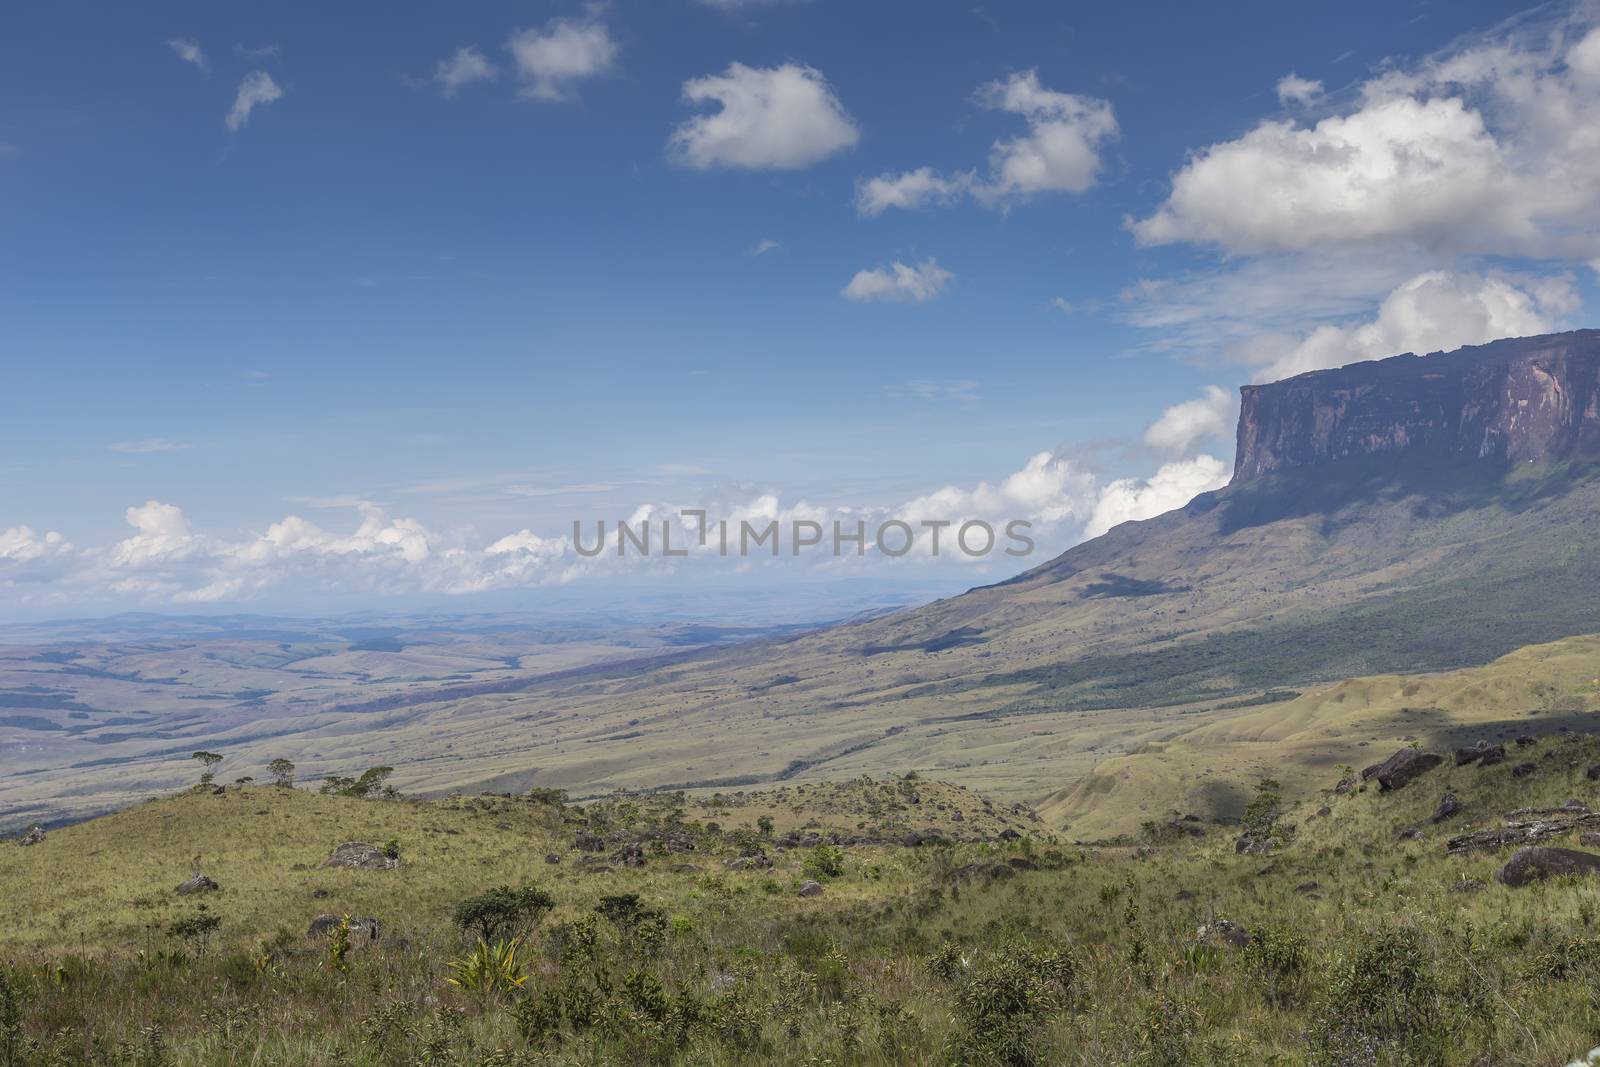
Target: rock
(630, 855)
(1307, 887)
(552, 857)
(1226, 931)
(1009, 834)
(1408, 833)
(34, 836)
(1324, 811)
(1467, 885)
(748, 863)
(1523, 833)
(1496, 754)
(1523, 770)
(1537, 862)
(810, 889)
(361, 929)
(1593, 773)
(1344, 785)
(1254, 846)
(1477, 752)
(360, 856)
(1589, 839)
(1402, 767)
(1524, 741)
(198, 884)
(584, 841)
(1183, 894)
(1448, 806)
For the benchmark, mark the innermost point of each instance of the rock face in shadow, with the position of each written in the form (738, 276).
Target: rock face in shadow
(1516, 400)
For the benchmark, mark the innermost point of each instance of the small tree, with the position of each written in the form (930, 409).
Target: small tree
(502, 910)
(765, 824)
(196, 930)
(282, 772)
(1261, 814)
(208, 762)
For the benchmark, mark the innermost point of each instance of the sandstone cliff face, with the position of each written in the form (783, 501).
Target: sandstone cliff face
(1517, 400)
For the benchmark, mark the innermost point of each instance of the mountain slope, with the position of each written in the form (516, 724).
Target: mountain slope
(1405, 515)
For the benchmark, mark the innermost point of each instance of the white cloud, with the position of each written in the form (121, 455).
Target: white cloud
(782, 118)
(910, 190)
(1434, 311)
(255, 90)
(27, 558)
(551, 60)
(1489, 149)
(746, 5)
(466, 66)
(1293, 89)
(190, 52)
(899, 283)
(1210, 415)
(149, 444)
(763, 247)
(1172, 486)
(1059, 153)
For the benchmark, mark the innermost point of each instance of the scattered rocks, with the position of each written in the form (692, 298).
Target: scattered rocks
(1402, 767)
(1226, 932)
(1484, 751)
(198, 884)
(1448, 806)
(1538, 862)
(810, 889)
(360, 856)
(1467, 885)
(361, 929)
(754, 862)
(34, 836)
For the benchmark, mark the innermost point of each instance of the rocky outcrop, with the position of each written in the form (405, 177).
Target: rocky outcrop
(198, 884)
(1402, 767)
(360, 856)
(1512, 401)
(1535, 863)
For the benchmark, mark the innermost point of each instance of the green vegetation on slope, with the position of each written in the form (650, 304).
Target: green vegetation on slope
(660, 938)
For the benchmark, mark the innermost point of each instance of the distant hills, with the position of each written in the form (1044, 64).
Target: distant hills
(1406, 515)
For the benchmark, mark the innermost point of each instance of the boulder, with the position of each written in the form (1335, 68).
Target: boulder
(1248, 845)
(1344, 785)
(34, 836)
(198, 884)
(361, 929)
(1448, 806)
(810, 889)
(1537, 862)
(552, 857)
(1402, 767)
(1593, 773)
(360, 856)
(1523, 770)
(1483, 750)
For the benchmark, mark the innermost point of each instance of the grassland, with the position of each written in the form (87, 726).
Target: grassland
(1352, 944)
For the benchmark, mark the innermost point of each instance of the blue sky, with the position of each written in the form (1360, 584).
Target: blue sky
(475, 294)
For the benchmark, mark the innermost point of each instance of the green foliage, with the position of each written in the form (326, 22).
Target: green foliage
(496, 913)
(282, 772)
(491, 969)
(13, 1001)
(825, 861)
(195, 930)
(1005, 998)
(339, 945)
(208, 762)
(1384, 1000)
(372, 783)
(1261, 814)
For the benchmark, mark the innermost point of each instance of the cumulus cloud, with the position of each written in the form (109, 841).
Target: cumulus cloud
(899, 283)
(1059, 153)
(552, 59)
(1209, 415)
(781, 118)
(1172, 486)
(466, 66)
(1293, 89)
(1434, 311)
(190, 52)
(910, 190)
(256, 90)
(1489, 149)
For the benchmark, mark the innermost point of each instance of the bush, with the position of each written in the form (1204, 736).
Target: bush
(825, 861)
(1384, 1004)
(1005, 998)
(501, 911)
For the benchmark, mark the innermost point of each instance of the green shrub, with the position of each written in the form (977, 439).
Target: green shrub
(501, 911)
(825, 861)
